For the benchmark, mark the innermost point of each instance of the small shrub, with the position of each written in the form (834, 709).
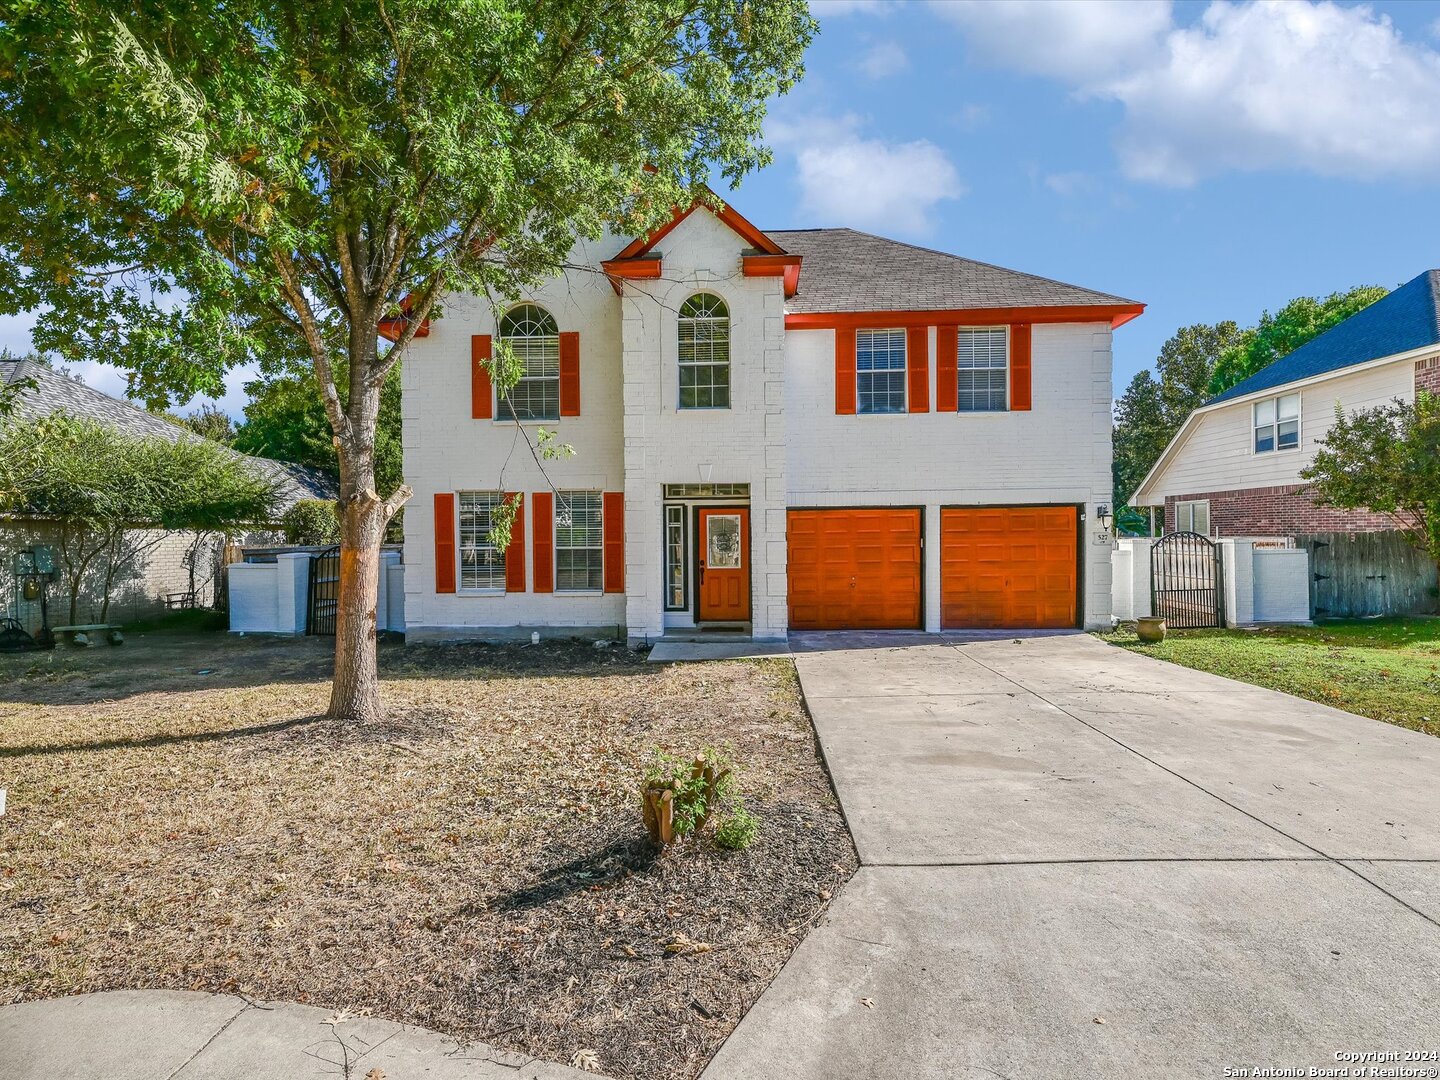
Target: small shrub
(738, 831)
(311, 521)
(682, 797)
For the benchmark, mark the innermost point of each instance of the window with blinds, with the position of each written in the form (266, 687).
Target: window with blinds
(880, 371)
(704, 353)
(579, 542)
(533, 336)
(482, 565)
(982, 366)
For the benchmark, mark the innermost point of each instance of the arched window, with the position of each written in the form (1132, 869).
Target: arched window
(531, 333)
(704, 353)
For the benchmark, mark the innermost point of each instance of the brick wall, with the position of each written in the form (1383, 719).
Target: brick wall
(1275, 511)
(1427, 375)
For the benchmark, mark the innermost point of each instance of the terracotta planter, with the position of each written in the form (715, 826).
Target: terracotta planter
(1150, 628)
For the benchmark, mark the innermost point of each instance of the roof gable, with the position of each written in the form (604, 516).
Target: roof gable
(1399, 322)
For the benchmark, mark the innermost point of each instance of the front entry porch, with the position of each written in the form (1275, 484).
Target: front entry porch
(708, 573)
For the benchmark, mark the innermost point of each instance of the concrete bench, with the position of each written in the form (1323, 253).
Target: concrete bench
(79, 634)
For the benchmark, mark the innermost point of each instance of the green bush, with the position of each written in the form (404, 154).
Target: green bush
(311, 521)
(683, 797)
(738, 830)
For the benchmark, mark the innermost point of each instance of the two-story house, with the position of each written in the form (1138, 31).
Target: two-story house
(1233, 468)
(781, 430)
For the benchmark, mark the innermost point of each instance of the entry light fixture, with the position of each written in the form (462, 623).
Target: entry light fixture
(1103, 515)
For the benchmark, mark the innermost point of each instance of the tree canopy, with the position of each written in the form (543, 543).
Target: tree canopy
(193, 187)
(103, 486)
(1280, 334)
(1385, 459)
(1151, 410)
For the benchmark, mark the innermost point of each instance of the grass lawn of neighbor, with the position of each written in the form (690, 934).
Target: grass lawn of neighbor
(1388, 669)
(180, 816)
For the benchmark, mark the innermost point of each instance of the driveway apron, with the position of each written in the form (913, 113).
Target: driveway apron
(1079, 861)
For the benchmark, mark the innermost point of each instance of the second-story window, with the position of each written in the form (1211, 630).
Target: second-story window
(704, 353)
(880, 371)
(1277, 423)
(531, 332)
(982, 363)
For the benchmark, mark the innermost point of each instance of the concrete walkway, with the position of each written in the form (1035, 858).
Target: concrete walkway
(1078, 861)
(175, 1035)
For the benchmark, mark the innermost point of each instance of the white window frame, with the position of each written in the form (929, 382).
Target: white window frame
(903, 371)
(594, 501)
(1274, 423)
(475, 537)
(540, 351)
(719, 326)
(1187, 509)
(677, 556)
(961, 367)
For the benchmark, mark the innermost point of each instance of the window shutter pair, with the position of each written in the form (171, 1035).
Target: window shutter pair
(612, 515)
(917, 369)
(445, 560)
(482, 391)
(947, 376)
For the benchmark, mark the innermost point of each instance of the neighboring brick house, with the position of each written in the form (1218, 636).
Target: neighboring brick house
(1233, 468)
(793, 429)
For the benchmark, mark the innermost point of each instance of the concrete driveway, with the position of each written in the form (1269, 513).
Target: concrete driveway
(1078, 861)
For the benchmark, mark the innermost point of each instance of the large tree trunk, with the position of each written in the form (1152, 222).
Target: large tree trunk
(355, 690)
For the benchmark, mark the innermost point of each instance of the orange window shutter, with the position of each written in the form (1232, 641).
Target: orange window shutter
(444, 542)
(542, 505)
(1020, 367)
(844, 371)
(515, 553)
(482, 397)
(613, 514)
(947, 378)
(570, 374)
(917, 367)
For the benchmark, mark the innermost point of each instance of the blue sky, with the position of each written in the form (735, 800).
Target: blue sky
(1211, 160)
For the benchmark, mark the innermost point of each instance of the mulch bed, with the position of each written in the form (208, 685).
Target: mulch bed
(476, 864)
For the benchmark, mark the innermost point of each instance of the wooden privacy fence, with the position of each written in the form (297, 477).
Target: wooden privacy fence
(1374, 573)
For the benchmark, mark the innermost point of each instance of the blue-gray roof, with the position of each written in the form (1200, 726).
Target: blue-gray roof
(1408, 318)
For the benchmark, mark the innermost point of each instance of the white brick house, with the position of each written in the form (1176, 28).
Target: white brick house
(799, 429)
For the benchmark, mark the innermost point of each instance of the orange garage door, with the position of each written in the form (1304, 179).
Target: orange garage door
(854, 569)
(1008, 566)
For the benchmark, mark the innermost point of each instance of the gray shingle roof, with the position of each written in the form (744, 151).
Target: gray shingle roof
(1406, 319)
(846, 270)
(56, 392)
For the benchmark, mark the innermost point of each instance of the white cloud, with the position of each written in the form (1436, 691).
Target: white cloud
(1272, 84)
(883, 59)
(847, 178)
(1065, 39)
(1066, 184)
(851, 7)
(1333, 90)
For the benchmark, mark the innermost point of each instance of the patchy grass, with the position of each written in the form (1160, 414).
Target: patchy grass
(179, 817)
(1388, 669)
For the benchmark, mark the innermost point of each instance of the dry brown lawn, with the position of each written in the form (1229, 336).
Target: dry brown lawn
(179, 817)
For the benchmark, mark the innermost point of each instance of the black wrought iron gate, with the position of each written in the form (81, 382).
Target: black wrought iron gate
(1186, 581)
(324, 592)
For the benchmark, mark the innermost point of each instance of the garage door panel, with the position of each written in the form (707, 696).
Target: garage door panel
(1010, 567)
(854, 569)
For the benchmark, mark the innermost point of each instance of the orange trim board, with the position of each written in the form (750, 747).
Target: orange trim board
(786, 266)
(641, 245)
(1114, 314)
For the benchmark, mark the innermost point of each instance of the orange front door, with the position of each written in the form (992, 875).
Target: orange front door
(724, 538)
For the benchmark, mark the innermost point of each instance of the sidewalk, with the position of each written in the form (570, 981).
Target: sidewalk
(177, 1035)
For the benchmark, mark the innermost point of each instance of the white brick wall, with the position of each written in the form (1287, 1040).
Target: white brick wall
(781, 436)
(1058, 452)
